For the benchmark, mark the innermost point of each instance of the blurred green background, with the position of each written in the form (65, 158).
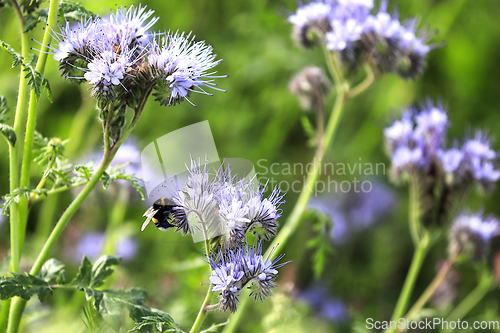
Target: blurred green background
(257, 118)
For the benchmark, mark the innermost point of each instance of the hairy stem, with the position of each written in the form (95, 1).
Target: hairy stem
(30, 125)
(13, 170)
(363, 85)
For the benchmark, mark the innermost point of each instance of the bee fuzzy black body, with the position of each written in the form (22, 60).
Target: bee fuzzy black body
(161, 212)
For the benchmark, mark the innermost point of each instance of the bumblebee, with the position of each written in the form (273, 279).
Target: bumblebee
(161, 212)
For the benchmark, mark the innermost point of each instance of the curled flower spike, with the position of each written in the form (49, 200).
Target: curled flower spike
(245, 266)
(471, 235)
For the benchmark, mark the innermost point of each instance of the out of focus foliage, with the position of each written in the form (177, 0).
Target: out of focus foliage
(258, 119)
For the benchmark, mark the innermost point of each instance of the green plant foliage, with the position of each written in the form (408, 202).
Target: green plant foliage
(53, 272)
(24, 286)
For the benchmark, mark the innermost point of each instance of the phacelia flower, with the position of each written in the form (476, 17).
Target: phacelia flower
(214, 202)
(121, 59)
(471, 234)
(233, 270)
(380, 39)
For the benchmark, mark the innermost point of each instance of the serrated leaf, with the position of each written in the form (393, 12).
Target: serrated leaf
(93, 276)
(24, 286)
(53, 272)
(84, 274)
(9, 134)
(162, 322)
(214, 327)
(16, 195)
(116, 172)
(109, 303)
(73, 10)
(3, 109)
(17, 58)
(102, 269)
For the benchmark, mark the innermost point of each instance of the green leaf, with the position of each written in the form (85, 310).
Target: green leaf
(116, 172)
(73, 10)
(24, 286)
(321, 242)
(93, 276)
(53, 272)
(102, 269)
(109, 303)
(17, 58)
(16, 195)
(9, 134)
(162, 322)
(214, 327)
(3, 109)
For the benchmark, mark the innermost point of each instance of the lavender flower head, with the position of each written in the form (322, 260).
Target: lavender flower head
(471, 235)
(246, 266)
(348, 28)
(122, 60)
(417, 143)
(213, 202)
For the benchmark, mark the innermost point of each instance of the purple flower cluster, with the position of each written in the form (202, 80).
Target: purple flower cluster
(348, 27)
(120, 58)
(417, 142)
(223, 205)
(246, 266)
(471, 234)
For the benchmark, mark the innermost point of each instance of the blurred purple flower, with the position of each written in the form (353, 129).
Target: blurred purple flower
(91, 245)
(354, 211)
(328, 307)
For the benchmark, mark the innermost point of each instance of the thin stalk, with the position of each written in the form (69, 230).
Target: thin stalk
(56, 191)
(485, 285)
(203, 312)
(31, 122)
(363, 85)
(324, 143)
(414, 209)
(208, 297)
(440, 276)
(416, 264)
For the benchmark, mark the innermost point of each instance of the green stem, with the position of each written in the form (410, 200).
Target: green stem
(208, 298)
(443, 272)
(416, 264)
(324, 143)
(30, 126)
(414, 209)
(476, 295)
(13, 173)
(363, 85)
(203, 312)
(56, 191)
(19, 304)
